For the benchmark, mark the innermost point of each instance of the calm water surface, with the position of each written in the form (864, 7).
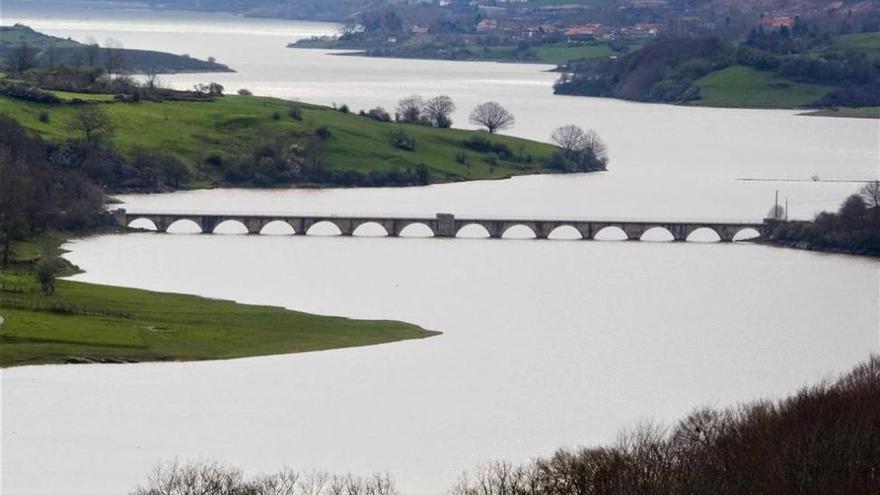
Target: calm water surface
(545, 344)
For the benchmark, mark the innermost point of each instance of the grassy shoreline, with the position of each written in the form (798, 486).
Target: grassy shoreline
(91, 323)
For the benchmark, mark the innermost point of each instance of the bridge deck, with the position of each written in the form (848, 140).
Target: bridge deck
(444, 225)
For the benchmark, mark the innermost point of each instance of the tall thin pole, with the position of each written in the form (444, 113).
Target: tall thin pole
(786, 208)
(776, 206)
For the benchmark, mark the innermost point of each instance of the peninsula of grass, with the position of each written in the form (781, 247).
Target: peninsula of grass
(83, 323)
(234, 125)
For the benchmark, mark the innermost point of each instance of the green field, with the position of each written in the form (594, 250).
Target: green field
(740, 86)
(236, 124)
(85, 322)
(868, 43)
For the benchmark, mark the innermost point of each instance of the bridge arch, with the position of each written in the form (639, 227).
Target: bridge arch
(416, 229)
(518, 231)
(746, 234)
(610, 233)
(230, 227)
(565, 233)
(657, 234)
(370, 229)
(184, 226)
(324, 228)
(277, 227)
(143, 223)
(703, 234)
(473, 231)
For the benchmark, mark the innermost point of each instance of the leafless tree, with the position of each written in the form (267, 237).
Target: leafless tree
(595, 147)
(92, 53)
(492, 116)
(114, 57)
(151, 79)
(93, 123)
(439, 110)
(212, 478)
(570, 138)
(409, 109)
(21, 58)
(871, 194)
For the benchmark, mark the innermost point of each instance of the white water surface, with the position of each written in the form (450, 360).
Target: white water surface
(545, 343)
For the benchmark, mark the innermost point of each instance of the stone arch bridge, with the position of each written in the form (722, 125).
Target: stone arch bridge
(447, 225)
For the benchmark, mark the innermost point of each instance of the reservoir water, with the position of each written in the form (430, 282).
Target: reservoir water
(545, 343)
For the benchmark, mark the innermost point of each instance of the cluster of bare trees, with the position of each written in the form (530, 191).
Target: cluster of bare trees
(436, 111)
(822, 440)
(213, 478)
(581, 150)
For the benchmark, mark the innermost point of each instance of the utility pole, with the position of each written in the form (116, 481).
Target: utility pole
(776, 206)
(786, 208)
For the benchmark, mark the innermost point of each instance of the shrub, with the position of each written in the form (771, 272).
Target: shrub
(215, 159)
(344, 108)
(485, 145)
(43, 117)
(29, 93)
(323, 132)
(276, 115)
(461, 158)
(378, 114)
(245, 92)
(294, 111)
(402, 141)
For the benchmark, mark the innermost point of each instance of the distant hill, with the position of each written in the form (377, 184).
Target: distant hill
(49, 50)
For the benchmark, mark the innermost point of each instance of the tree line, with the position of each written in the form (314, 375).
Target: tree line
(821, 440)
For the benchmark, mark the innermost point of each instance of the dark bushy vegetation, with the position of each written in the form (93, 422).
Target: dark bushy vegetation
(823, 440)
(855, 228)
(29, 93)
(663, 70)
(212, 478)
(36, 194)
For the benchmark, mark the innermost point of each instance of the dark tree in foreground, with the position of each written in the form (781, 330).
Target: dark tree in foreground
(492, 116)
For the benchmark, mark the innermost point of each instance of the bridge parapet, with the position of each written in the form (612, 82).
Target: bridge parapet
(443, 224)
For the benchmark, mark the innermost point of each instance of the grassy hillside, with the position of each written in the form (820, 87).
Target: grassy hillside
(85, 322)
(234, 125)
(741, 86)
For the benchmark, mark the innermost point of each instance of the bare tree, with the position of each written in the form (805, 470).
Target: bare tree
(409, 109)
(93, 123)
(21, 58)
(492, 116)
(439, 110)
(595, 147)
(114, 56)
(570, 138)
(92, 53)
(871, 194)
